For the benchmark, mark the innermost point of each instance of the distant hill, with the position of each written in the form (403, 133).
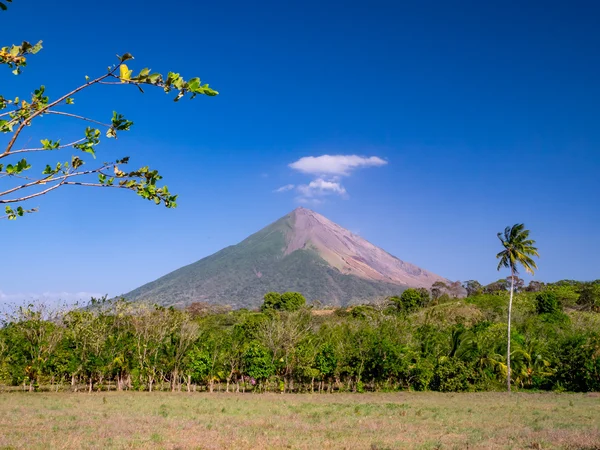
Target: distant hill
(304, 252)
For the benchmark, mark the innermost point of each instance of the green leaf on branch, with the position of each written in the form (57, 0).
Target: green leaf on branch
(18, 168)
(14, 56)
(118, 123)
(6, 126)
(50, 145)
(92, 138)
(125, 57)
(143, 73)
(12, 214)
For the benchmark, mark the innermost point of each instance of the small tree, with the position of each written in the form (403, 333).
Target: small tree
(411, 299)
(518, 249)
(258, 363)
(326, 362)
(18, 183)
(437, 289)
(36, 331)
(272, 300)
(292, 301)
(473, 287)
(501, 285)
(534, 286)
(288, 301)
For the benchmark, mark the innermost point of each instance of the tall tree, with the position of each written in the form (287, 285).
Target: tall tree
(518, 250)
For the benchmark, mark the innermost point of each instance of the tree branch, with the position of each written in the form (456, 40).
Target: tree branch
(51, 179)
(62, 183)
(37, 194)
(40, 149)
(78, 117)
(11, 143)
(81, 183)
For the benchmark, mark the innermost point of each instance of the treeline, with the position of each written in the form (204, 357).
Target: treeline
(421, 340)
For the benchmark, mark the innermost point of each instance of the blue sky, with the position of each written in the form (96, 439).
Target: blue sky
(479, 115)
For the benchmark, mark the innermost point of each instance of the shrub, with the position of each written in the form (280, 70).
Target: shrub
(411, 299)
(292, 301)
(288, 301)
(451, 375)
(589, 297)
(547, 303)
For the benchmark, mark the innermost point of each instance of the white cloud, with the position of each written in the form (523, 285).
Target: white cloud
(327, 171)
(335, 164)
(287, 187)
(320, 187)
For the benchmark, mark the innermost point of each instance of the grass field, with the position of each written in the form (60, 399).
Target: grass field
(252, 421)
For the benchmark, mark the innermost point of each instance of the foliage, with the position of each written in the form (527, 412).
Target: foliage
(547, 303)
(451, 375)
(457, 346)
(411, 299)
(259, 363)
(326, 361)
(22, 182)
(473, 287)
(501, 285)
(589, 296)
(518, 249)
(288, 301)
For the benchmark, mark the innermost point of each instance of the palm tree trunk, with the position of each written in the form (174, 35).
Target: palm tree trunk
(512, 283)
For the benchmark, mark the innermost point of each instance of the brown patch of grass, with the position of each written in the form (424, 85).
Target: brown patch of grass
(250, 421)
(322, 312)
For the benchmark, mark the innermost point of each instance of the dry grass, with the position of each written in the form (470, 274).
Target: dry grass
(322, 312)
(351, 421)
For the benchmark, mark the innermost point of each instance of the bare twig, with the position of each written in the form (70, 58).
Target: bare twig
(81, 183)
(37, 194)
(78, 117)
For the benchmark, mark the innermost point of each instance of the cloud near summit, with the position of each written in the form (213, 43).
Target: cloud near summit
(341, 165)
(320, 187)
(327, 171)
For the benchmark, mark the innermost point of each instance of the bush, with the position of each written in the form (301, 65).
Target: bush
(421, 373)
(411, 299)
(288, 301)
(578, 364)
(589, 297)
(547, 303)
(292, 301)
(451, 375)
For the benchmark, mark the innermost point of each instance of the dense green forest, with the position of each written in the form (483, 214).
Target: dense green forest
(420, 340)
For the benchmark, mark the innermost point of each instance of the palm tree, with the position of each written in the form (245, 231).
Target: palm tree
(518, 249)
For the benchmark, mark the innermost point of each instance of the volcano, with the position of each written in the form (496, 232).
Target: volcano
(303, 252)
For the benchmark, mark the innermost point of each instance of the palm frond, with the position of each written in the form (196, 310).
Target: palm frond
(518, 249)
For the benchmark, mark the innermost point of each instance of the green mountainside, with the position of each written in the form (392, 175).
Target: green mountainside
(241, 274)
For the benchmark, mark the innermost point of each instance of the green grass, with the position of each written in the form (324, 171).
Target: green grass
(251, 421)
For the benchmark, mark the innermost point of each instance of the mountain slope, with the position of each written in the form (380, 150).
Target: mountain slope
(303, 251)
